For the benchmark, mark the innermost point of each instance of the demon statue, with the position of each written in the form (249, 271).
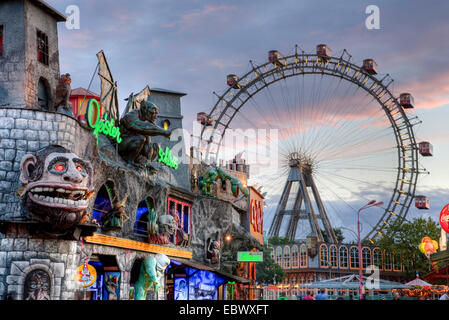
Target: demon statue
(63, 91)
(114, 219)
(160, 228)
(213, 250)
(56, 187)
(111, 286)
(37, 285)
(137, 127)
(151, 270)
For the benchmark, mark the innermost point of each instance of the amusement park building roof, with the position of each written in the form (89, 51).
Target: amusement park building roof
(55, 13)
(352, 282)
(168, 91)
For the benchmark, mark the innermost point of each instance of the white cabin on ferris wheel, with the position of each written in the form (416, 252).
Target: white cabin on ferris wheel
(370, 66)
(323, 51)
(422, 202)
(425, 149)
(276, 58)
(406, 100)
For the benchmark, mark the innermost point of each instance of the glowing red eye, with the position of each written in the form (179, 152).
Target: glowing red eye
(59, 167)
(79, 168)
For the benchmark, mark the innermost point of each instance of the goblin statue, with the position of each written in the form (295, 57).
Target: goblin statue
(56, 187)
(151, 271)
(63, 91)
(137, 127)
(114, 219)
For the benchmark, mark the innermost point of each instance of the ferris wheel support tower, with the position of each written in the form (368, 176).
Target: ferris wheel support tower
(301, 173)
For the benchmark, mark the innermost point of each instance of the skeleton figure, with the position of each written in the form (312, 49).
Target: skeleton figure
(56, 187)
(160, 228)
(137, 127)
(37, 285)
(63, 91)
(213, 251)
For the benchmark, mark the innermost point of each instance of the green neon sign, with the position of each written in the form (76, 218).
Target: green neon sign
(103, 126)
(249, 256)
(167, 158)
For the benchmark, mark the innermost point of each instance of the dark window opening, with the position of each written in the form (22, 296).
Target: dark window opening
(43, 96)
(223, 185)
(141, 224)
(102, 203)
(42, 47)
(1, 41)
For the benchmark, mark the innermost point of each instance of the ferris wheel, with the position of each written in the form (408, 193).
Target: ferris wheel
(341, 119)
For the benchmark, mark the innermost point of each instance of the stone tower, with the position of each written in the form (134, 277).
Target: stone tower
(29, 54)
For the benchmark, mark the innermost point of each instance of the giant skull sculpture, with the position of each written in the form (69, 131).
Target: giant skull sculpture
(56, 187)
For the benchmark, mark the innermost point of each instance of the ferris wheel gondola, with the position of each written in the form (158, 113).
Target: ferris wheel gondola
(357, 140)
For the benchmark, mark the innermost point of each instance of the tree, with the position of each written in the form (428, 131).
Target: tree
(404, 239)
(268, 270)
(338, 235)
(280, 240)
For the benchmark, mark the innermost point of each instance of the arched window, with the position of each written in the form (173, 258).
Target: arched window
(324, 258)
(303, 256)
(366, 257)
(333, 256)
(140, 226)
(295, 256)
(279, 256)
(354, 258)
(103, 201)
(272, 253)
(343, 257)
(286, 257)
(397, 262)
(377, 258)
(43, 94)
(387, 262)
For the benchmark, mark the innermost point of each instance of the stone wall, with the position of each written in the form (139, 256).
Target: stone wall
(20, 254)
(25, 131)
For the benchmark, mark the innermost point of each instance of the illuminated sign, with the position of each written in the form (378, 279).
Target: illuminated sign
(167, 158)
(103, 126)
(444, 218)
(85, 275)
(249, 256)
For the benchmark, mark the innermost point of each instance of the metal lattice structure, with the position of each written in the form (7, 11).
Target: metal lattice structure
(261, 76)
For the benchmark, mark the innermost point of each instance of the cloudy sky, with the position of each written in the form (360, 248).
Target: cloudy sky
(190, 46)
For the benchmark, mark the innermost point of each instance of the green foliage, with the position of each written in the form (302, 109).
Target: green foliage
(280, 240)
(268, 269)
(405, 238)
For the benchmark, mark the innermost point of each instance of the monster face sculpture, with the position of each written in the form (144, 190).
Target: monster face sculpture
(37, 285)
(56, 187)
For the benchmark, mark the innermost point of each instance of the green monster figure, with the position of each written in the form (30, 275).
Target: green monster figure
(137, 127)
(151, 270)
(210, 177)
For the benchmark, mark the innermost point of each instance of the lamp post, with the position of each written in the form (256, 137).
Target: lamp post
(370, 204)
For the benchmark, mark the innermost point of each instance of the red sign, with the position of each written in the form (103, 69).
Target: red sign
(444, 218)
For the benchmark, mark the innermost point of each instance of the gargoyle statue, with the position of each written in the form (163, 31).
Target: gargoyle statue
(63, 91)
(137, 127)
(56, 187)
(115, 218)
(151, 271)
(160, 228)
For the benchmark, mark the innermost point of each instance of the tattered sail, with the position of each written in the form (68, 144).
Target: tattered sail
(135, 100)
(108, 99)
